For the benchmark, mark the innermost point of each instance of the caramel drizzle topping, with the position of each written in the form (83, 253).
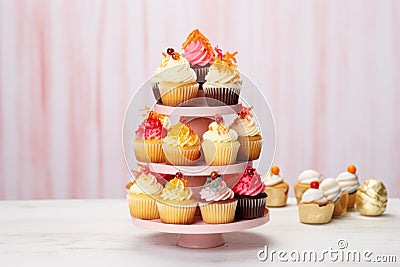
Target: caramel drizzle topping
(196, 35)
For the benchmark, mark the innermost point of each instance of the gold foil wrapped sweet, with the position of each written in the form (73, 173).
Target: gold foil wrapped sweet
(371, 198)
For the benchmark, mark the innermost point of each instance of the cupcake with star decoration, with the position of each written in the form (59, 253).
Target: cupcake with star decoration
(275, 187)
(176, 80)
(220, 145)
(147, 144)
(249, 135)
(223, 82)
(251, 196)
(217, 204)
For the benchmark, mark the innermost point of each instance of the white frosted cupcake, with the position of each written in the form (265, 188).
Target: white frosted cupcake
(275, 187)
(349, 183)
(334, 193)
(303, 182)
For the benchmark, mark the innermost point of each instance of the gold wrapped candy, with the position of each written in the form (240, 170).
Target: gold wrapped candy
(371, 198)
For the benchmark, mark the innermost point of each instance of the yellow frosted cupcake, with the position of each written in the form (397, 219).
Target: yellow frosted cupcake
(220, 145)
(314, 208)
(303, 182)
(176, 80)
(175, 204)
(181, 145)
(218, 205)
(348, 181)
(147, 144)
(142, 192)
(248, 135)
(276, 189)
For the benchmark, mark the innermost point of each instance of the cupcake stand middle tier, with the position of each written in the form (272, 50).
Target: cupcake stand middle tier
(200, 234)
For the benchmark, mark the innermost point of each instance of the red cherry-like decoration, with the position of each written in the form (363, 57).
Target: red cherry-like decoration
(175, 56)
(314, 184)
(170, 51)
(249, 170)
(179, 175)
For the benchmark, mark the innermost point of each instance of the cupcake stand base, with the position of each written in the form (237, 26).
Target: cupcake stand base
(200, 234)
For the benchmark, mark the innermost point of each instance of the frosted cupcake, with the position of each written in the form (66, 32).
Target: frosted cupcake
(176, 80)
(147, 144)
(200, 54)
(249, 135)
(223, 82)
(220, 145)
(181, 146)
(303, 182)
(142, 192)
(276, 189)
(314, 208)
(251, 196)
(334, 193)
(348, 181)
(218, 204)
(175, 204)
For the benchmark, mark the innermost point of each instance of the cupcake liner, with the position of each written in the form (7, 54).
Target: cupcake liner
(179, 94)
(156, 92)
(341, 205)
(218, 212)
(148, 150)
(220, 96)
(249, 149)
(312, 213)
(181, 157)
(217, 154)
(299, 190)
(144, 208)
(352, 200)
(201, 72)
(250, 208)
(175, 214)
(277, 196)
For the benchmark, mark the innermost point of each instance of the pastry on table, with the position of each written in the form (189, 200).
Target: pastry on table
(181, 146)
(200, 54)
(220, 145)
(217, 204)
(142, 192)
(147, 144)
(249, 135)
(333, 192)
(251, 196)
(175, 204)
(276, 189)
(176, 80)
(314, 208)
(223, 82)
(303, 182)
(349, 183)
(371, 198)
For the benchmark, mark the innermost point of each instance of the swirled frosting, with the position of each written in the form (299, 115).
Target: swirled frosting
(331, 189)
(272, 179)
(246, 126)
(220, 132)
(249, 185)
(216, 190)
(223, 75)
(152, 127)
(348, 181)
(181, 135)
(174, 70)
(146, 184)
(313, 195)
(176, 190)
(308, 176)
(196, 54)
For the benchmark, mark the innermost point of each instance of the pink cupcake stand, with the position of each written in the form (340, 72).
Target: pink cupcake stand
(200, 234)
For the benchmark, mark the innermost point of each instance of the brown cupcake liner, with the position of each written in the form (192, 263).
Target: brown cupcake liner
(156, 92)
(179, 94)
(220, 96)
(249, 149)
(142, 208)
(148, 151)
(181, 157)
(217, 154)
(250, 208)
(175, 214)
(201, 72)
(218, 213)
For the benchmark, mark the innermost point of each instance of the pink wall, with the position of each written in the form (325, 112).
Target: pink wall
(330, 70)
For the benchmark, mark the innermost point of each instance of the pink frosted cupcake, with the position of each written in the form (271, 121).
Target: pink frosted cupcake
(249, 191)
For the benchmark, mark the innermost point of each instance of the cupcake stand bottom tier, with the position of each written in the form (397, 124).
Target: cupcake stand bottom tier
(200, 234)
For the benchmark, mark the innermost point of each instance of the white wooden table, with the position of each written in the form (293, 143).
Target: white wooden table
(100, 233)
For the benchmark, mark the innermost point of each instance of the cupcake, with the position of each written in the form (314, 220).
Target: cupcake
(175, 204)
(176, 80)
(314, 208)
(276, 189)
(142, 192)
(248, 135)
(251, 196)
(220, 145)
(218, 204)
(371, 198)
(181, 146)
(147, 144)
(223, 83)
(333, 192)
(303, 182)
(348, 181)
(200, 54)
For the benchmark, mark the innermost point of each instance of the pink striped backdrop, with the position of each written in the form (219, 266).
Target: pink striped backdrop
(330, 70)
